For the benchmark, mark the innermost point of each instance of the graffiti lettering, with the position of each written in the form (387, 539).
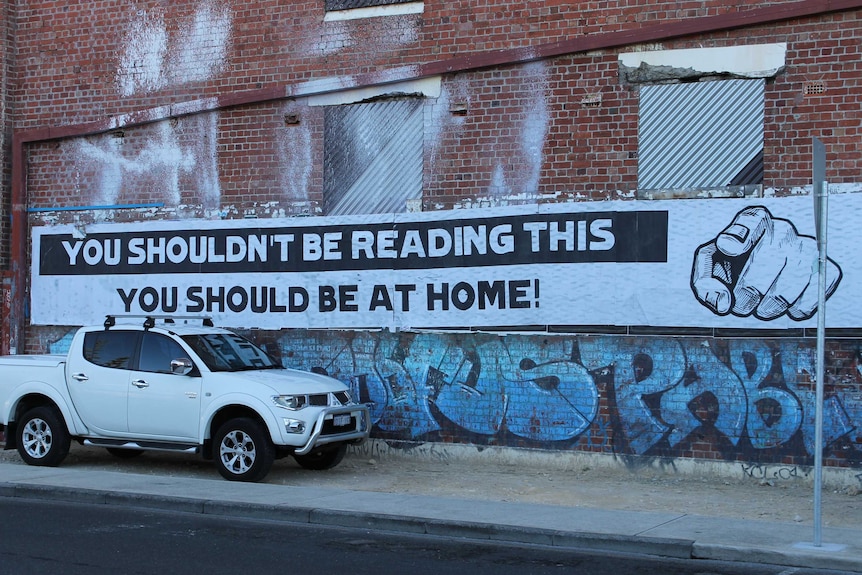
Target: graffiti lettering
(665, 396)
(664, 391)
(707, 375)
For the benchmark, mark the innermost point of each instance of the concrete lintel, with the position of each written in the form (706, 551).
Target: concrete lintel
(428, 87)
(752, 61)
(375, 11)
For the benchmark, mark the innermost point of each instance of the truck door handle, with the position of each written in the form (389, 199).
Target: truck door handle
(80, 377)
(139, 383)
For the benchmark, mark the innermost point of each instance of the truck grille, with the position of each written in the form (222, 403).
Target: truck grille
(329, 427)
(329, 399)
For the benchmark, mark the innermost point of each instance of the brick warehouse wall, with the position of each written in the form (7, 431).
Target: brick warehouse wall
(503, 134)
(6, 71)
(588, 152)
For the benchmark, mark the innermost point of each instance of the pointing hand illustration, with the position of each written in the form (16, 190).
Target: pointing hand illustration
(760, 265)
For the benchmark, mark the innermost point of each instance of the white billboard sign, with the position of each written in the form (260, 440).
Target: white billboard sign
(688, 263)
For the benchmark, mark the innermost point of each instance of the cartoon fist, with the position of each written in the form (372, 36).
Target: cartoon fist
(760, 265)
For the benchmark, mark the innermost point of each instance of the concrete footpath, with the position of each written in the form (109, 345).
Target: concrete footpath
(656, 533)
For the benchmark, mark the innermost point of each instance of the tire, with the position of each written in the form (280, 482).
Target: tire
(323, 458)
(242, 450)
(42, 437)
(125, 453)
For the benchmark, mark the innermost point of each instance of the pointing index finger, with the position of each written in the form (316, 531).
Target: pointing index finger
(744, 231)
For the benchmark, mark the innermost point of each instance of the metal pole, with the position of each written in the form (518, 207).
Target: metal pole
(821, 353)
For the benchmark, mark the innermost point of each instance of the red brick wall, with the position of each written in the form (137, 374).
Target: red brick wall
(101, 62)
(6, 71)
(589, 152)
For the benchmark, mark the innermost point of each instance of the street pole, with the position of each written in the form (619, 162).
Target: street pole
(821, 195)
(821, 218)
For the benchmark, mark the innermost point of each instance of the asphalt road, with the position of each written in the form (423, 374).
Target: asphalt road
(44, 537)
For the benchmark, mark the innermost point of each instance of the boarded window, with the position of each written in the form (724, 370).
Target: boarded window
(701, 135)
(372, 160)
(332, 5)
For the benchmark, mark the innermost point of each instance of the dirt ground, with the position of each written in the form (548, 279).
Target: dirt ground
(608, 488)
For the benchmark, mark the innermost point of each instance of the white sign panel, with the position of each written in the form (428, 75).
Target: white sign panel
(704, 263)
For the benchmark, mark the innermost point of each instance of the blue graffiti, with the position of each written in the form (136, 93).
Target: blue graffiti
(551, 398)
(62, 345)
(471, 394)
(544, 389)
(837, 422)
(708, 376)
(661, 392)
(640, 369)
(481, 385)
(773, 414)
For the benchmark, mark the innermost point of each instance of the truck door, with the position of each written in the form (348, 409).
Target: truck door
(163, 405)
(98, 380)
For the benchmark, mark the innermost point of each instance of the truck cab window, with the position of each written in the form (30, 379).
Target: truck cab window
(113, 348)
(157, 352)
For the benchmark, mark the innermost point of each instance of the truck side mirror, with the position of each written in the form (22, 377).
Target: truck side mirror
(181, 366)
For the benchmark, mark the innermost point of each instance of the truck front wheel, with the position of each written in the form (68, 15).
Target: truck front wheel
(242, 450)
(42, 437)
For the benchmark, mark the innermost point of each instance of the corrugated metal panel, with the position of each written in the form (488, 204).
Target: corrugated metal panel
(704, 134)
(373, 156)
(750, 174)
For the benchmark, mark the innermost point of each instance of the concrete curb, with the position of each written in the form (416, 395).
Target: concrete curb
(774, 556)
(658, 546)
(313, 514)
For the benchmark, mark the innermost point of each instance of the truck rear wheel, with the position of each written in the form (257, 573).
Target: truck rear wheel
(242, 450)
(42, 437)
(323, 458)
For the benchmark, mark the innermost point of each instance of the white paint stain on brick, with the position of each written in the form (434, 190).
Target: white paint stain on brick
(499, 186)
(154, 58)
(295, 151)
(337, 35)
(203, 44)
(334, 38)
(105, 157)
(141, 62)
(532, 131)
(204, 162)
(436, 118)
(439, 119)
(535, 128)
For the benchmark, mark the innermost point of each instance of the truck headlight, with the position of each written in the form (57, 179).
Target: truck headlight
(292, 402)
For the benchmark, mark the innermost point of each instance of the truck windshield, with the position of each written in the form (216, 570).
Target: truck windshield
(229, 352)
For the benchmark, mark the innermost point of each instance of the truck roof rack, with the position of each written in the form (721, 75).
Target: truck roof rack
(150, 319)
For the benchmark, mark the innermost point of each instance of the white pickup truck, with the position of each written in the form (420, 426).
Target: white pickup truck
(175, 384)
